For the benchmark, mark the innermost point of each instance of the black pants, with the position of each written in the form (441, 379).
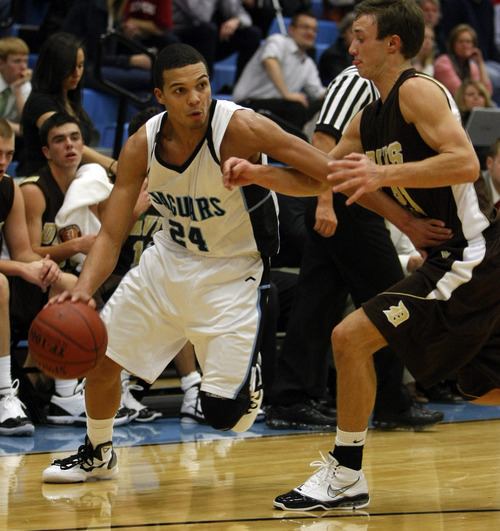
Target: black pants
(205, 38)
(359, 259)
(290, 115)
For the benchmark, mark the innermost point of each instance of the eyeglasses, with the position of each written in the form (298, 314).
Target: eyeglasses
(306, 27)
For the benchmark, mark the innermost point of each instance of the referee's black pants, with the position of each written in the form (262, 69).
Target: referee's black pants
(360, 260)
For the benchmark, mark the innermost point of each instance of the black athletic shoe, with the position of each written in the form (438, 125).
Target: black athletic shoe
(300, 416)
(443, 393)
(416, 418)
(323, 406)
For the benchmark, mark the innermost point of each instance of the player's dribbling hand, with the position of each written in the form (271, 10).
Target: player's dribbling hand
(73, 296)
(354, 175)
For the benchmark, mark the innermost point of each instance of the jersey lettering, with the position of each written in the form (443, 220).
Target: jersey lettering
(197, 209)
(391, 154)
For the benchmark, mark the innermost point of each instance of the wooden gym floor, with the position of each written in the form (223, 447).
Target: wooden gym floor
(174, 477)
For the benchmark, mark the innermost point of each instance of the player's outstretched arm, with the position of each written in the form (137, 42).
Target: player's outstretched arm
(249, 134)
(424, 105)
(115, 223)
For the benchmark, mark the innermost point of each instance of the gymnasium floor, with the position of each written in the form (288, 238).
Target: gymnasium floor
(193, 478)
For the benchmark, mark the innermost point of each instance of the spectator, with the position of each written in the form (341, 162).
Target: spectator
(149, 22)
(88, 20)
(336, 11)
(43, 194)
(262, 13)
(424, 60)
(479, 14)
(15, 80)
(492, 173)
(217, 29)
(471, 93)
(337, 57)
(463, 60)
(57, 86)
(431, 10)
(23, 265)
(282, 79)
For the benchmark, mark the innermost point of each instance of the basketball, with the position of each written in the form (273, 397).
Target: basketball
(67, 339)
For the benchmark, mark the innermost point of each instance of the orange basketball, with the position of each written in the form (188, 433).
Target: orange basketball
(67, 339)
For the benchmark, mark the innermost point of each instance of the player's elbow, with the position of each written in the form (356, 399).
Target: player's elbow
(471, 169)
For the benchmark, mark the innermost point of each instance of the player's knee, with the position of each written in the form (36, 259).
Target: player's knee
(221, 413)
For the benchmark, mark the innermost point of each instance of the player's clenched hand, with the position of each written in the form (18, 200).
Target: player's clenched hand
(43, 273)
(354, 175)
(74, 296)
(50, 274)
(326, 221)
(426, 232)
(237, 172)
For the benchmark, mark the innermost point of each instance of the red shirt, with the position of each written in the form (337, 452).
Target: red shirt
(158, 11)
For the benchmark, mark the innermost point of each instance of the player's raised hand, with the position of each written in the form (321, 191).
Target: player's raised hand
(354, 175)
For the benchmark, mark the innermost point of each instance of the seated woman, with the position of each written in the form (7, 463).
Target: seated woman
(57, 87)
(464, 60)
(470, 94)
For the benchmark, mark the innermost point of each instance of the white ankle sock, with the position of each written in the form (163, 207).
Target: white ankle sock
(189, 380)
(99, 431)
(350, 438)
(65, 387)
(5, 377)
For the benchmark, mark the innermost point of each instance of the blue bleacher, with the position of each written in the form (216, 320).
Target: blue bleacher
(224, 72)
(317, 7)
(103, 111)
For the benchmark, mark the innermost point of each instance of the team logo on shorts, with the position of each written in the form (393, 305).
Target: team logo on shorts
(397, 314)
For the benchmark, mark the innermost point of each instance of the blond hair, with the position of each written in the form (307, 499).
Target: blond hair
(460, 93)
(12, 45)
(6, 131)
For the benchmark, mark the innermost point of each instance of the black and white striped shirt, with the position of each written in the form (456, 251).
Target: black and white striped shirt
(347, 94)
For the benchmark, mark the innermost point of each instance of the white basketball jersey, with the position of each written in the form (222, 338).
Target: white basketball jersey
(200, 213)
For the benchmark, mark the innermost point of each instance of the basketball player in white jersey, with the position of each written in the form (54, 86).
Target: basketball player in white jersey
(206, 275)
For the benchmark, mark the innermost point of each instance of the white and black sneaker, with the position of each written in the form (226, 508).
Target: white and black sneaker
(68, 409)
(256, 396)
(332, 487)
(13, 418)
(191, 412)
(128, 400)
(87, 463)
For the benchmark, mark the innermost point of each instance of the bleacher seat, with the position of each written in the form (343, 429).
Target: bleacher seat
(317, 7)
(103, 111)
(224, 73)
(320, 48)
(11, 169)
(32, 59)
